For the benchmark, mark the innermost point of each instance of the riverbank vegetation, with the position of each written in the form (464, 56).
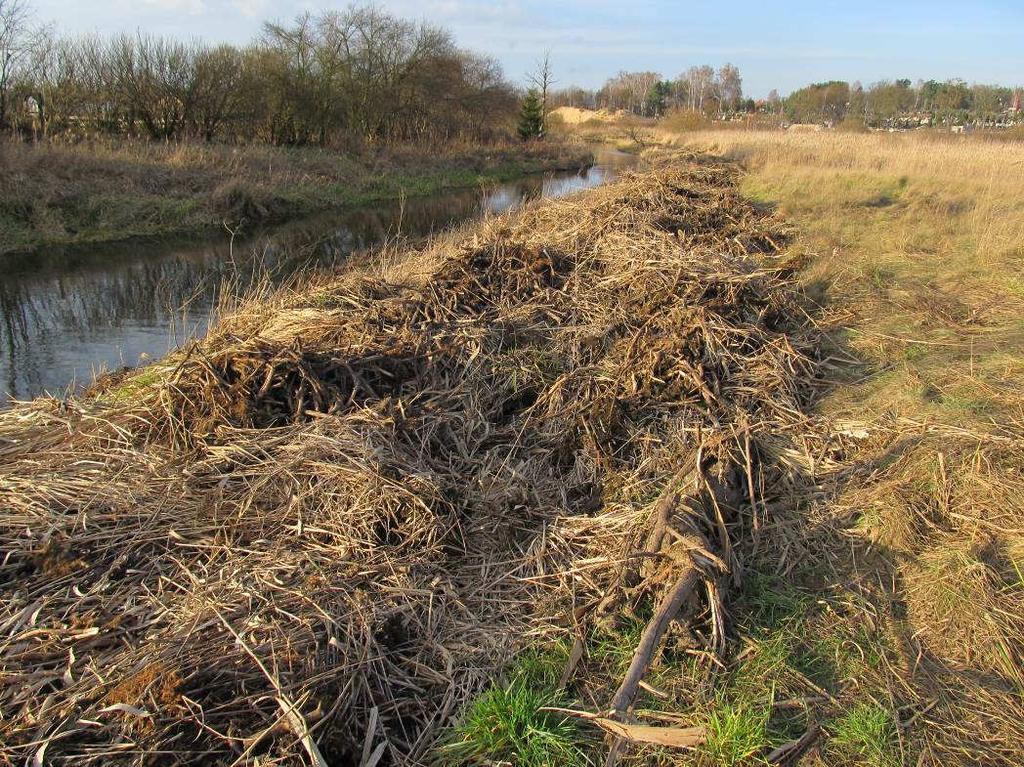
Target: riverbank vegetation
(54, 194)
(907, 569)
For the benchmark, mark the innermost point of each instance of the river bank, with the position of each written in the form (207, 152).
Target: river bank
(95, 308)
(69, 196)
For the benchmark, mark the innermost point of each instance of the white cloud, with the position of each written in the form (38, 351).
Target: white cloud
(253, 9)
(188, 7)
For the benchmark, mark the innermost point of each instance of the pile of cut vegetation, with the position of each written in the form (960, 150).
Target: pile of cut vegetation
(314, 535)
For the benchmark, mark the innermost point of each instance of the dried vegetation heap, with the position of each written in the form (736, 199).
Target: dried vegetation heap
(315, 533)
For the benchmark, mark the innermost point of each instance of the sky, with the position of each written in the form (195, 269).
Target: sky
(782, 45)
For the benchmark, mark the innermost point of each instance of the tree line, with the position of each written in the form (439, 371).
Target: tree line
(338, 76)
(719, 94)
(648, 94)
(901, 104)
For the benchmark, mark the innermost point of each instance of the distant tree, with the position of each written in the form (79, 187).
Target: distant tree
(699, 85)
(542, 79)
(858, 102)
(927, 92)
(657, 97)
(990, 98)
(531, 117)
(953, 95)
(155, 76)
(218, 73)
(573, 96)
(482, 95)
(824, 103)
(887, 101)
(629, 91)
(901, 104)
(730, 87)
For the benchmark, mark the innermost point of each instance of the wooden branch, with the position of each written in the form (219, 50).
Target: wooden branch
(790, 752)
(680, 489)
(668, 503)
(651, 638)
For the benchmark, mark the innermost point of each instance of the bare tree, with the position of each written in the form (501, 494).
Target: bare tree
(215, 88)
(703, 79)
(542, 79)
(42, 78)
(573, 96)
(357, 75)
(730, 87)
(629, 91)
(17, 38)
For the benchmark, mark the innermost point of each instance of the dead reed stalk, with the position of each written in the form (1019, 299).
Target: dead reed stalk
(350, 502)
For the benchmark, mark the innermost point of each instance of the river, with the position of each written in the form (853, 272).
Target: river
(122, 304)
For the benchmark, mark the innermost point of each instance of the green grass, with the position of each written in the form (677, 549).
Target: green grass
(768, 602)
(613, 649)
(137, 382)
(738, 714)
(866, 735)
(737, 734)
(791, 647)
(505, 724)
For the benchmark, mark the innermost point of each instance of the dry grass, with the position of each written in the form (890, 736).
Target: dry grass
(364, 497)
(56, 194)
(323, 528)
(914, 244)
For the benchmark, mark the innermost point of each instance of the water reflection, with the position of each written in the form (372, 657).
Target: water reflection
(124, 304)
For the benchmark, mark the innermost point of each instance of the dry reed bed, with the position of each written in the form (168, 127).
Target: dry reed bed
(327, 523)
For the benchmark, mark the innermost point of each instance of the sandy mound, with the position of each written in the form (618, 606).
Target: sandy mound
(575, 115)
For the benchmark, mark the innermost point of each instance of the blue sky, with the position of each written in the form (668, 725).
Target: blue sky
(775, 45)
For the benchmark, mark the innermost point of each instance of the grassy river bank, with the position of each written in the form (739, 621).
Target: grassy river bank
(77, 195)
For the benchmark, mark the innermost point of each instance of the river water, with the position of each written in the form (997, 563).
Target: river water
(119, 305)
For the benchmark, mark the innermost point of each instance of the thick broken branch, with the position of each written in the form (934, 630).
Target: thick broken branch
(651, 638)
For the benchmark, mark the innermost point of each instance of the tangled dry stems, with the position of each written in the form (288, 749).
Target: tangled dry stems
(352, 502)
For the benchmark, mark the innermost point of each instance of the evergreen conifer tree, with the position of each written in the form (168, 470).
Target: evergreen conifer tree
(531, 117)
